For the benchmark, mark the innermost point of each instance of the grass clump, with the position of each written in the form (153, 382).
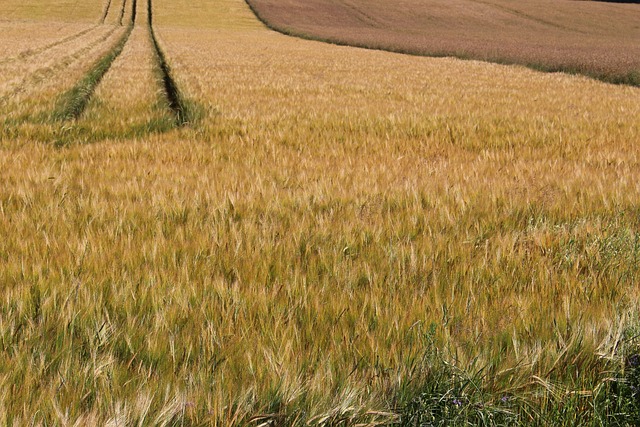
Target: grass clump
(450, 395)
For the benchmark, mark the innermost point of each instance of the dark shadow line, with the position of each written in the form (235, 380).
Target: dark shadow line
(174, 98)
(106, 12)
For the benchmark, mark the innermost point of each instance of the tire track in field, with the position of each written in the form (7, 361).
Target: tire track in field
(72, 103)
(130, 101)
(362, 16)
(134, 11)
(525, 16)
(24, 55)
(174, 97)
(122, 11)
(106, 12)
(41, 74)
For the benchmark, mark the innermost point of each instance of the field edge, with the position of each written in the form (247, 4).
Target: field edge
(629, 79)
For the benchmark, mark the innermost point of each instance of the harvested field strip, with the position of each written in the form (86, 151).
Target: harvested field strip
(174, 97)
(31, 52)
(598, 40)
(72, 103)
(528, 16)
(48, 69)
(106, 12)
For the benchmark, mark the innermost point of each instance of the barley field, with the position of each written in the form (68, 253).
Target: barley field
(205, 222)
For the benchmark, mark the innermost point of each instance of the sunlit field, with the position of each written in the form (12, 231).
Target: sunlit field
(204, 222)
(600, 39)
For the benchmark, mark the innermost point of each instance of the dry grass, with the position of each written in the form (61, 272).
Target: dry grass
(593, 38)
(283, 259)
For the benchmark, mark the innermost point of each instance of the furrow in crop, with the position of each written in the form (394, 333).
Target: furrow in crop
(130, 100)
(122, 10)
(174, 97)
(73, 102)
(31, 52)
(134, 7)
(47, 70)
(106, 12)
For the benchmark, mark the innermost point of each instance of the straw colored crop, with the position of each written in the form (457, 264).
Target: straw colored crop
(330, 224)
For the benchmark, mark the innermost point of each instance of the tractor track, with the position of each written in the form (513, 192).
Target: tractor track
(174, 98)
(23, 56)
(106, 12)
(362, 16)
(122, 11)
(39, 75)
(527, 17)
(72, 103)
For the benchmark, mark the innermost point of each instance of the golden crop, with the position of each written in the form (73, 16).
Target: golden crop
(330, 218)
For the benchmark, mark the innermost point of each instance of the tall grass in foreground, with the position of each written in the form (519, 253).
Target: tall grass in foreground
(347, 237)
(192, 303)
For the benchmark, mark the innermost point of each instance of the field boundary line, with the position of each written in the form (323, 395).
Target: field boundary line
(631, 78)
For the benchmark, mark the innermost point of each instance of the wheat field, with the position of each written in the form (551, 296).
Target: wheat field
(232, 227)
